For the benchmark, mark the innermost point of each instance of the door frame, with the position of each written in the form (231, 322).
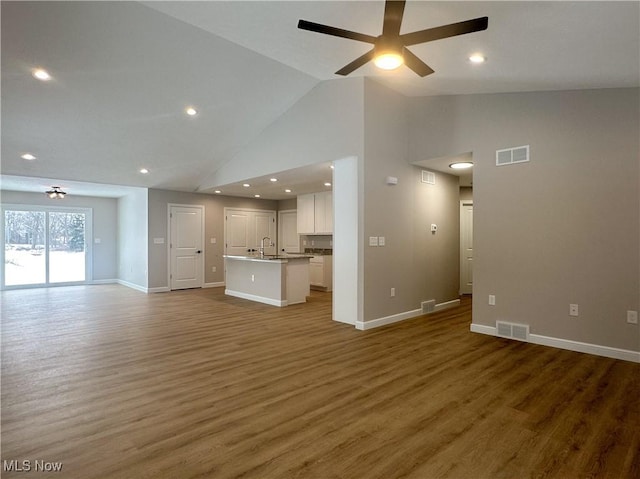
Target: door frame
(168, 246)
(88, 243)
(463, 203)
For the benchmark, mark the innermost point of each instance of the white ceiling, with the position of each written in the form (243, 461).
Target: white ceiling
(123, 72)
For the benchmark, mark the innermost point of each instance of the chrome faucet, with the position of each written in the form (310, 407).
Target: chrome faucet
(262, 245)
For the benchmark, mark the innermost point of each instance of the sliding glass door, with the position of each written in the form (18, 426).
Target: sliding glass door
(44, 246)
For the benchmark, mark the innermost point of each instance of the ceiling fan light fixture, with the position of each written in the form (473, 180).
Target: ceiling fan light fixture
(55, 193)
(388, 60)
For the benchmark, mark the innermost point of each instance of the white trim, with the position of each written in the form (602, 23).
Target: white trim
(160, 289)
(394, 318)
(577, 346)
(259, 299)
(219, 284)
(446, 305)
(133, 286)
(103, 281)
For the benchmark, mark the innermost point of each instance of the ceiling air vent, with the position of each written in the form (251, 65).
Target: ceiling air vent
(428, 177)
(519, 154)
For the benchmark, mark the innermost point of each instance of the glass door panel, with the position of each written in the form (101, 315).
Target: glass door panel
(67, 259)
(24, 254)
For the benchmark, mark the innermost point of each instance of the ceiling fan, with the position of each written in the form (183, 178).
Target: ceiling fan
(389, 49)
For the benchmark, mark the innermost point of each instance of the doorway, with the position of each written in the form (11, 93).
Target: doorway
(466, 247)
(45, 246)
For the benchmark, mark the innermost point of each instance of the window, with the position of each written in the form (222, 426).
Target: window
(45, 246)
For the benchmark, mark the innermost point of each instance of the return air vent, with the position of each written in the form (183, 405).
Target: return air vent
(428, 177)
(512, 330)
(519, 154)
(428, 306)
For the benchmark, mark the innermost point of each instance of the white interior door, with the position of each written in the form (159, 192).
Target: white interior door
(288, 239)
(466, 247)
(244, 230)
(186, 244)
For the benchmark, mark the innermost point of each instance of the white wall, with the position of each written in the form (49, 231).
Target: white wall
(325, 125)
(104, 211)
(132, 239)
(563, 228)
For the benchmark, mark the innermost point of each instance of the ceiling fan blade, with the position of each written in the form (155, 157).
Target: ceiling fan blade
(417, 65)
(336, 32)
(357, 63)
(445, 31)
(393, 11)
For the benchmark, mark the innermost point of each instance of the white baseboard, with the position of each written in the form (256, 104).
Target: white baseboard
(160, 289)
(588, 348)
(213, 285)
(133, 286)
(103, 281)
(259, 299)
(394, 318)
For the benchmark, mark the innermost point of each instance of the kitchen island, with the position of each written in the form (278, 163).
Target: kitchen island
(279, 280)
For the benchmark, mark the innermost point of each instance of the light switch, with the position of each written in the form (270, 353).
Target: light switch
(97, 240)
(214, 240)
(381, 240)
(158, 240)
(373, 241)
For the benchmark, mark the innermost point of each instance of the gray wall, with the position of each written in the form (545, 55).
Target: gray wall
(132, 238)
(104, 225)
(466, 193)
(419, 265)
(214, 228)
(563, 228)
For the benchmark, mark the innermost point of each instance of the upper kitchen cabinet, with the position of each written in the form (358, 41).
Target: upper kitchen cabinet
(315, 213)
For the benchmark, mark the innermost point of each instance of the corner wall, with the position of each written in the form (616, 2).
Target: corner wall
(419, 265)
(563, 228)
(132, 239)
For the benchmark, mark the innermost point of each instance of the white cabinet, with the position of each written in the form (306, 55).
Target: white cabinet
(315, 213)
(306, 214)
(321, 272)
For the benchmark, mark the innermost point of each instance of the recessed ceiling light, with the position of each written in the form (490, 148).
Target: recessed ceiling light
(144, 171)
(191, 111)
(327, 184)
(331, 167)
(246, 185)
(273, 180)
(41, 74)
(287, 191)
(461, 165)
(218, 191)
(256, 196)
(477, 58)
(28, 156)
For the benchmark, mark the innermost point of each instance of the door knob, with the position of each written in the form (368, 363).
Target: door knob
(198, 251)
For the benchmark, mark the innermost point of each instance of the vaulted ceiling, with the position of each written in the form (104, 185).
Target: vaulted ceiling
(123, 74)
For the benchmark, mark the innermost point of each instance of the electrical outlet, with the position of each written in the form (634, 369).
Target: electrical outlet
(213, 269)
(393, 292)
(492, 299)
(573, 310)
(632, 317)
(253, 278)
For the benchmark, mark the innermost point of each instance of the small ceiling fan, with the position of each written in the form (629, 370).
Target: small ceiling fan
(389, 49)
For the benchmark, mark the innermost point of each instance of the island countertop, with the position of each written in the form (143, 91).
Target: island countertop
(280, 258)
(279, 280)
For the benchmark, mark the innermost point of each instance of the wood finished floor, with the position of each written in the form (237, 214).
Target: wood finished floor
(114, 383)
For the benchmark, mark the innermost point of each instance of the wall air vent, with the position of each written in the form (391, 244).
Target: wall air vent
(428, 306)
(512, 330)
(519, 154)
(428, 177)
